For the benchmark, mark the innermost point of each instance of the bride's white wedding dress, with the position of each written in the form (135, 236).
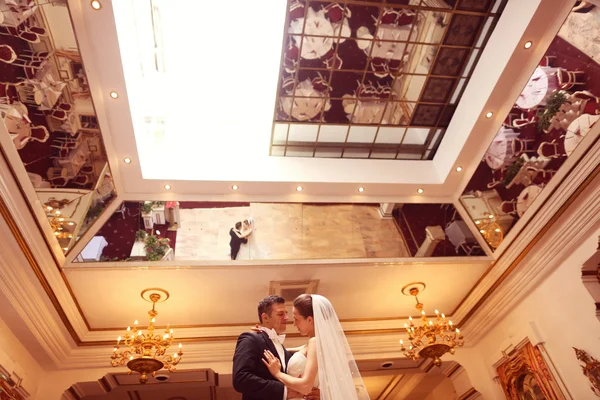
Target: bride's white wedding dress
(296, 366)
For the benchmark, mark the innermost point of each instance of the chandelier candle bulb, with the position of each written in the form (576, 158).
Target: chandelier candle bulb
(437, 312)
(180, 346)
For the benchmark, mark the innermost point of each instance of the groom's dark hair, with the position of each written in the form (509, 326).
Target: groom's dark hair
(266, 305)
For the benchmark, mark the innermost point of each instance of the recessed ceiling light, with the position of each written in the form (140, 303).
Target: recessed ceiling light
(96, 5)
(497, 229)
(65, 248)
(482, 231)
(419, 190)
(361, 189)
(528, 44)
(127, 160)
(299, 188)
(114, 94)
(458, 169)
(235, 187)
(489, 114)
(167, 186)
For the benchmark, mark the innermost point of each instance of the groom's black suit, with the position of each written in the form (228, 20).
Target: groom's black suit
(250, 376)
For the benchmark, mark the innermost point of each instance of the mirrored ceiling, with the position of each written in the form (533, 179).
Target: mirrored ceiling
(375, 79)
(46, 107)
(550, 121)
(167, 231)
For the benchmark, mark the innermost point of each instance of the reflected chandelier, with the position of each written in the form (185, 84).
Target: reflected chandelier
(145, 353)
(434, 337)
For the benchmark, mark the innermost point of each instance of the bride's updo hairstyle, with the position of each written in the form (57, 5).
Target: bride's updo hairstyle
(303, 304)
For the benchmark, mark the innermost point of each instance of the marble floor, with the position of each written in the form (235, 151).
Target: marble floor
(290, 231)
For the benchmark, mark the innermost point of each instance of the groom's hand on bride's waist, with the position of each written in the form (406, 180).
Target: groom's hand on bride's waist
(314, 394)
(292, 394)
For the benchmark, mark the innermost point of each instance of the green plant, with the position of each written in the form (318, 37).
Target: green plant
(140, 235)
(512, 171)
(94, 212)
(156, 248)
(146, 207)
(553, 103)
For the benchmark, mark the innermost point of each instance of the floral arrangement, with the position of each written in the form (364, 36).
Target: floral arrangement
(156, 248)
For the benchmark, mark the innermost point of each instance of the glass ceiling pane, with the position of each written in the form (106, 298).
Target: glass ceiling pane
(370, 63)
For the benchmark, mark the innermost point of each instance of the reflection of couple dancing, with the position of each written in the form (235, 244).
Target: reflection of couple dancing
(239, 234)
(323, 368)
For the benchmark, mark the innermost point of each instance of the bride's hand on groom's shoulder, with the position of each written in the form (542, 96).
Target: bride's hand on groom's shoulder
(255, 328)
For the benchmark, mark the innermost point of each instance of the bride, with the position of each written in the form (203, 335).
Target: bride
(326, 361)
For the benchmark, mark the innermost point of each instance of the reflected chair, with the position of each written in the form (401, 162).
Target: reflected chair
(121, 210)
(58, 114)
(547, 61)
(39, 133)
(470, 248)
(497, 177)
(568, 79)
(8, 93)
(7, 54)
(35, 55)
(509, 207)
(64, 107)
(540, 176)
(20, 33)
(80, 180)
(550, 150)
(25, 93)
(521, 146)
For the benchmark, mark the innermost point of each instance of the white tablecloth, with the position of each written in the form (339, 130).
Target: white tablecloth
(93, 250)
(500, 154)
(541, 85)
(458, 233)
(577, 131)
(527, 197)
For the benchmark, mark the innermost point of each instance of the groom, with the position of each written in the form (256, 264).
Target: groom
(250, 376)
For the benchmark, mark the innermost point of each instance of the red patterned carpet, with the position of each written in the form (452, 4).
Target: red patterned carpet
(119, 231)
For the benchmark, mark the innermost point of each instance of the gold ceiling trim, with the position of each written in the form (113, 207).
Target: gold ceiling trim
(27, 251)
(563, 208)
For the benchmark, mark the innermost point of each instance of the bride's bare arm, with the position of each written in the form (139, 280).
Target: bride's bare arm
(304, 384)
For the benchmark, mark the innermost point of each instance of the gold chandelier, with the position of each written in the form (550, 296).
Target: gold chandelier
(145, 353)
(490, 230)
(434, 337)
(62, 228)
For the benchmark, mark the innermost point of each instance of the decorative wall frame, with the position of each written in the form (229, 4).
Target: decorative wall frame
(524, 374)
(591, 369)
(10, 386)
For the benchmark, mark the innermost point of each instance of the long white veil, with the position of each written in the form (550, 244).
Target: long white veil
(339, 378)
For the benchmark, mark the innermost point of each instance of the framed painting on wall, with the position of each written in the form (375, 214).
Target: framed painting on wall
(525, 375)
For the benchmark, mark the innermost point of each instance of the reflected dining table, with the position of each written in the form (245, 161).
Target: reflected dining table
(500, 153)
(577, 131)
(18, 124)
(526, 197)
(76, 159)
(540, 86)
